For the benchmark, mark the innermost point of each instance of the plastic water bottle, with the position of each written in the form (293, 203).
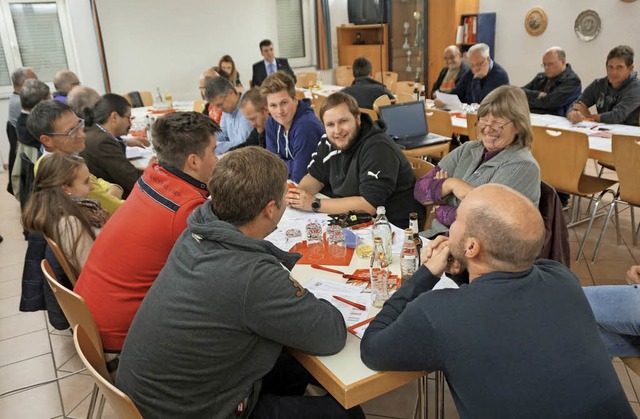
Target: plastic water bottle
(379, 272)
(408, 257)
(382, 228)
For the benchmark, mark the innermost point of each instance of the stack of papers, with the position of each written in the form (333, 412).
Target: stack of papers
(326, 290)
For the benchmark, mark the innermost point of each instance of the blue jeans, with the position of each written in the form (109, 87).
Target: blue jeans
(617, 311)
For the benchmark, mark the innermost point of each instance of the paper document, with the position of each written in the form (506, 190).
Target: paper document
(451, 102)
(325, 290)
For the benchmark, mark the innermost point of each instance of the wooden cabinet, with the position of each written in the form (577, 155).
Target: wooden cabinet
(478, 28)
(370, 41)
(443, 19)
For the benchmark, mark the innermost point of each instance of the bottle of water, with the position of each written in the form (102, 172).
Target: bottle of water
(379, 272)
(413, 225)
(408, 257)
(382, 228)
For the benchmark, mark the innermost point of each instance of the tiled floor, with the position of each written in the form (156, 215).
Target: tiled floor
(30, 352)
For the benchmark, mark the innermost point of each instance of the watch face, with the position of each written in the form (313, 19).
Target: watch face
(315, 205)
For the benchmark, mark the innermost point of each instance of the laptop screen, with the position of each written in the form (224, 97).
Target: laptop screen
(405, 119)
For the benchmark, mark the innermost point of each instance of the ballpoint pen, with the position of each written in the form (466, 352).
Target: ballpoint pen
(351, 303)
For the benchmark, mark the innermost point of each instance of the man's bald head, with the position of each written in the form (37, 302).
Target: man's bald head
(452, 57)
(554, 62)
(506, 224)
(65, 80)
(206, 76)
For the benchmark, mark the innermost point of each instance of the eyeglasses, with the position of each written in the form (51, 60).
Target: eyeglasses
(495, 127)
(72, 133)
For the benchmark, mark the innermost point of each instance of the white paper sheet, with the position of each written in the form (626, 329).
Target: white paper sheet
(450, 101)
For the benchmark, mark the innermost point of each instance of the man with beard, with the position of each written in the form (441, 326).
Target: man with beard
(358, 166)
(519, 340)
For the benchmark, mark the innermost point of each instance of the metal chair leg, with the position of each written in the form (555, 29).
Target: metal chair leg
(604, 230)
(439, 395)
(92, 402)
(633, 224)
(593, 216)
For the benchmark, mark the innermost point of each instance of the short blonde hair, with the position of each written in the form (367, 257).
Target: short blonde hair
(510, 102)
(278, 82)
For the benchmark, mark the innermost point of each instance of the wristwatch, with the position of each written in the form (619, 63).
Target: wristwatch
(315, 205)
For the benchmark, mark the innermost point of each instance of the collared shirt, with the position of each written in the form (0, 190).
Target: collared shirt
(235, 130)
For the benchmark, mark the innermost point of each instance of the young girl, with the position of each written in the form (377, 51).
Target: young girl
(227, 65)
(59, 207)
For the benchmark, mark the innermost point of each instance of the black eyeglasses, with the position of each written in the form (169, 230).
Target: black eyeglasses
(72, 133)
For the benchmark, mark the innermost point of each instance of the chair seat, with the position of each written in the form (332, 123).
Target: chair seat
(590, 185)
(606, 165)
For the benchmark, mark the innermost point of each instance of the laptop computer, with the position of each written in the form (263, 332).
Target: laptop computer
(407, 125)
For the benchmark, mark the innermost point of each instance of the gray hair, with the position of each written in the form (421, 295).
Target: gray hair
(33, 92)
(63, 80)
(82, 100)
(483, 49)
(19, 76)
(219, 86)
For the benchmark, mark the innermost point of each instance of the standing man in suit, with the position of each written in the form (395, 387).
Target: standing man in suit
(269, 65)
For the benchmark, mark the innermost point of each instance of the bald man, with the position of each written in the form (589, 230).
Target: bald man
(518, 341)
(64, 81)
(452, 72)
(553, 90)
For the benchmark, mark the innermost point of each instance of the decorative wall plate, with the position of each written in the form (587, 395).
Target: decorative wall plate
(628, 1)
(535, 22)
(587, 25)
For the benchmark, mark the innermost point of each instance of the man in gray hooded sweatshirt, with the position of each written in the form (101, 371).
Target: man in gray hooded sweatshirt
(207, 340)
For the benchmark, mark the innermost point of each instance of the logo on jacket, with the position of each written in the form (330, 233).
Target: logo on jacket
(375, 175)
(301, 289)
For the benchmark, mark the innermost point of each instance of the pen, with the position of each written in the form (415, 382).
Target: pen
(324, 268)
(351, 303)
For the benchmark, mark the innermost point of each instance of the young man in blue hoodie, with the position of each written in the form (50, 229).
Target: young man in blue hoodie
(293, 130)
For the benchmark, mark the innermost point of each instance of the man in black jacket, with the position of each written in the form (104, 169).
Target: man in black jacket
(365, 89)
(269, 65)
(556, 88)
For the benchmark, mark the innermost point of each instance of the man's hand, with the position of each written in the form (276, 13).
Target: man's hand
(438, 103)
(441, 175)
(299, 198)
(633, 275)
(137, 142)
(578, 113)
(574, 116)
(456, 186)
(484, 70)
(429, 252)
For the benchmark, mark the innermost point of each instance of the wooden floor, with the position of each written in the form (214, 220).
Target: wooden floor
(30, 352)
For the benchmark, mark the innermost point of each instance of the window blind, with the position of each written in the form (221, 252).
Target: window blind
(39, 38)
(5, 78)
(290, 29)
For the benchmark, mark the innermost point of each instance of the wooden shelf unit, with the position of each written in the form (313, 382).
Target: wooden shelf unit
(375, 46)
(485, 31)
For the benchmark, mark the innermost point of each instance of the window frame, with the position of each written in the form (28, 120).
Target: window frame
(309, 34)
(10, 45)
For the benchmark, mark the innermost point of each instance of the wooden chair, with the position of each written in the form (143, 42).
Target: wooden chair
(63, 261)
(420, 168)
(317, 101)
(472, 119)
(407, 87)
(300, 95)
(92, 360)
(626, 158)
(373, 114)
(147, 98)
(198, 105)
(562, 156)
(306, 80)
(382, 101)
(344, 75)
(405, 97)
(77, 313)
(439, 122)
(388, 78)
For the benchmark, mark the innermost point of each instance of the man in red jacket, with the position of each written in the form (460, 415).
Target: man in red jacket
(134, 245)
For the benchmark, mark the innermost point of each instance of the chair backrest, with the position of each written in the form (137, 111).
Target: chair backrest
(198, 105)
(317, 101)
(74, 307)
(388, 78)
(344, 75)
(561, 155)
(405, 97)
(147, 98)
(373, 114)
(306, 80)
(300, 94)
(420, 168)
(472, 119)
(633, 363)
(134, 99)
(439, 122)
(90, 357)
(626, 157)
(407, 87)
(382, 101)
(62, 260)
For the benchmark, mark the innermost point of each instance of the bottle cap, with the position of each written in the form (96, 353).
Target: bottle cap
(381, 210)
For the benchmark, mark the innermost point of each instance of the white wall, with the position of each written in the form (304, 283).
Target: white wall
(521, 54)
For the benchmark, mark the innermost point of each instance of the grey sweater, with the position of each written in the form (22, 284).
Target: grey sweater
(215, 321)
(615, 106)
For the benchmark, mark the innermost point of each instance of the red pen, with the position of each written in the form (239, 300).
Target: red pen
(351, 303)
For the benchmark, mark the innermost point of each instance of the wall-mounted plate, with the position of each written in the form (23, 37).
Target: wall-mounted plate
(587, 25)
(535, 22)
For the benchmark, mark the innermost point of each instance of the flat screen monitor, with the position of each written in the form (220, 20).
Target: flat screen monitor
(364, 12)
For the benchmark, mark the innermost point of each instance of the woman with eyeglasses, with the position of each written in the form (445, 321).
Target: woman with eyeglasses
(501, 154)
(60, 209)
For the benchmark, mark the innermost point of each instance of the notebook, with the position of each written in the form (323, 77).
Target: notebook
(407, 125)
